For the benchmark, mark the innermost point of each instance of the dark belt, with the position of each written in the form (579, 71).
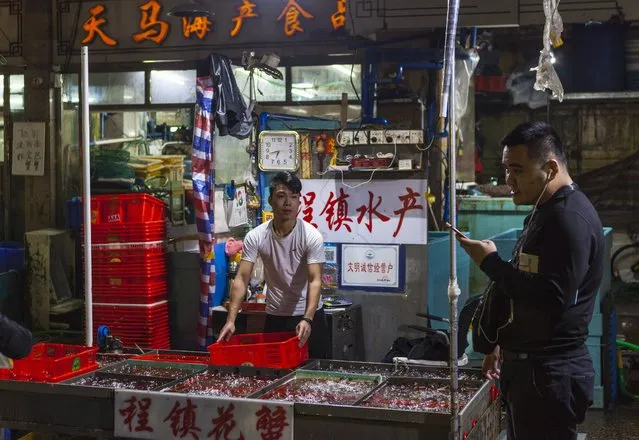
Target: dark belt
(512, 356)
(564, 354)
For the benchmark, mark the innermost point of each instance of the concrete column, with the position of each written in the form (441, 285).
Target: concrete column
(39, 192)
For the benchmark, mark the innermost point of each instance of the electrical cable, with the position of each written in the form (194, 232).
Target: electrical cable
(74, 35)
(521, 245)
(350, 15)
(390, 165)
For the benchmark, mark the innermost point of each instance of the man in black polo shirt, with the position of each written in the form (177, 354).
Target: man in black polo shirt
(547, 376)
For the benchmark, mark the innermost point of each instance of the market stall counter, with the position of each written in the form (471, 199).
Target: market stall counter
(150, 398)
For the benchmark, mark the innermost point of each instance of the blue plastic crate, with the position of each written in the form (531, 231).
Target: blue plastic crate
(595, 328)
(507, 240)
(438, 260)
(505, 243)
(595, 348)
(598, 400)
(486, 217)
(11, 256)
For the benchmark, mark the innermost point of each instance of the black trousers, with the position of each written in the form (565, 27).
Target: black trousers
(318, 342)
(546, 399)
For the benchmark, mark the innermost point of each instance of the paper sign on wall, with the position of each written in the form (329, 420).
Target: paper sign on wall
(239, 213)
(28, 149)
(388, 211)
(168, 415)
(372, 266)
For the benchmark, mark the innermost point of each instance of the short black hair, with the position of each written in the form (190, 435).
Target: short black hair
(288, 179)
(542, 141)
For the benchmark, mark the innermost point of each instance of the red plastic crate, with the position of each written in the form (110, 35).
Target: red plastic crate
(151, 231)
(149, 292)
(129, 278)
(141, 328)
(133, 327)
(52, 363)
(134, 323)
(122, 268)
(142, 310)
(174, 358)
(126, 208)
(160, 343)
(273, 350)
(143, 289)
(127, 298)
(129, 254)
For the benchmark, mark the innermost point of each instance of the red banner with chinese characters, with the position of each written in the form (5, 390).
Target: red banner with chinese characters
(152, 415)
(381, 211)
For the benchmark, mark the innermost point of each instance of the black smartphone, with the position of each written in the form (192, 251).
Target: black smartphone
(457, 231)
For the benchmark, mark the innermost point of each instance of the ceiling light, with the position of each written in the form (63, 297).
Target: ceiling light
(303, 93)
(302, 85)
(190, 9)
(343, 69)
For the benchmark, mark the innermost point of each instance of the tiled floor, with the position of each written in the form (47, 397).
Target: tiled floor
(618, 423)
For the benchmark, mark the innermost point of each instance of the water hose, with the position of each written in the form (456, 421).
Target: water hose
(623, 380)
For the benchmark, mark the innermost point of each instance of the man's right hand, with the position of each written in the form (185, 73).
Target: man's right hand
(491, 367)
(227, 331)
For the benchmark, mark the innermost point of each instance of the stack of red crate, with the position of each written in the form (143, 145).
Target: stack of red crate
(130, 287)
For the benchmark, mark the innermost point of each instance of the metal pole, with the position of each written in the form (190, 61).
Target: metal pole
(448, 109)
(86, 193)
(449, 55)
(453, 287)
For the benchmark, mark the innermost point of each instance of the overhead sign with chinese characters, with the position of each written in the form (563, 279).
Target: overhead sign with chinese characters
(116, 26)
(382, 211)
(380, 267)
(28, 148)
(168, 415)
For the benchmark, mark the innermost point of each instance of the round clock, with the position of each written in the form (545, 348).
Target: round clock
(279, 151)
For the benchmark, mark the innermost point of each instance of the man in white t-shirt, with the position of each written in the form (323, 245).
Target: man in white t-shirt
(292, 251)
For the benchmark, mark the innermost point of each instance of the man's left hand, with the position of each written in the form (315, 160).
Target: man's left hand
(303, 331)
(477, 249)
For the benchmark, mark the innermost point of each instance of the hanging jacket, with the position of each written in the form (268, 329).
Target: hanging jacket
(233, 117)
(15, 340)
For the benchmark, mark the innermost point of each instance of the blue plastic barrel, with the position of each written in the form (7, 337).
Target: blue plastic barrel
(74, 213)
(598, 57)
(11, 256)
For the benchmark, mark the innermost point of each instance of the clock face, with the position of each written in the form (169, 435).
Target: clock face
(279, 151)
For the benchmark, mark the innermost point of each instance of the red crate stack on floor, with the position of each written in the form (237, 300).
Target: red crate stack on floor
(129, 273)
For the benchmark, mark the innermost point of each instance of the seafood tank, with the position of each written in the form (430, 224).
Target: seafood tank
(318, 387)
(436, 373)
(106, 359)
(154, 369)
(221, 384)
(419, 395)
(393, 370)
(120, 382)
(385, 370)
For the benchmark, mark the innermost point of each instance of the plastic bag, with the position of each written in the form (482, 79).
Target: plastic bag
(547, 77)
(521, 86)
(464, 70)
